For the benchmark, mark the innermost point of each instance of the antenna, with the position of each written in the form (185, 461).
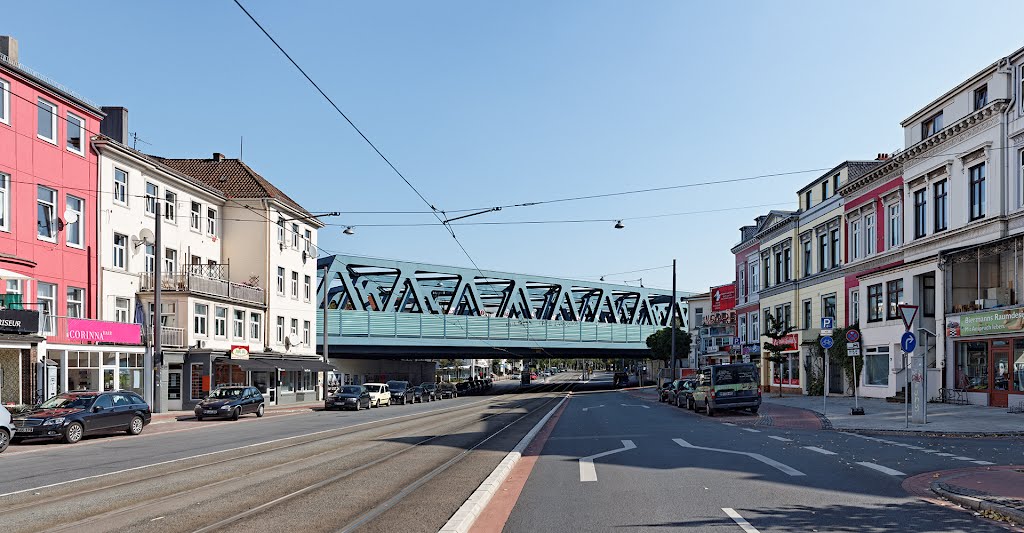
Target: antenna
(241, 147)
(136, 140)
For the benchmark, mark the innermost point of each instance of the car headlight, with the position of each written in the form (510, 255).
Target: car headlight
(54, 421)
(226, 407)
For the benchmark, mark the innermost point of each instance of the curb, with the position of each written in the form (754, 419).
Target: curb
(463, 519)
(977, 504)
(949, 434)
(183, 417)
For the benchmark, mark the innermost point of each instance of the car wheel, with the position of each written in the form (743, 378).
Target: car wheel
(689, 404)
(136, 425)
(236, 413)
(707, 409)
(753, 410)
(5, 439)
(73, 433)
(260, 411)
(199, 418)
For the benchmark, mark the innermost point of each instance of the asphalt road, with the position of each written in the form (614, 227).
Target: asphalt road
(400, 468)
(662, 468)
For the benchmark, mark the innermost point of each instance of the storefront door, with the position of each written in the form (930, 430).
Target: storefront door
(265, 383)
(109, 379)
(174, 388)
(1001, 378)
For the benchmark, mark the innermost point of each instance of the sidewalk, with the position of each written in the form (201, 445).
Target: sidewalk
(176, 416)
(992, 489)
(881, 415)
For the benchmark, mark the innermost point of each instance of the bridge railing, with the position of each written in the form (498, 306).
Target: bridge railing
(343, 323)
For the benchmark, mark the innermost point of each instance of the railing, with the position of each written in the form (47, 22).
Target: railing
(188, 281)
(45, 78)
(430, 326)
(170, 337)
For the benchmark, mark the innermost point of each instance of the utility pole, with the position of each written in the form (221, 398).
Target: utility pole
(673, 320)
(158, 358)
(326, 286)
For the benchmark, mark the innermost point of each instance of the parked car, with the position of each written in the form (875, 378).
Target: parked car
(73, 415)
(6, 429)
(401, 392)
(462, 387)
(231, 402)
(418, 394)
(663, 390)
(732, 386)
(353, 397)
(379, 394)
(430, 392)
(446, 390)
(620, 379)
(683, 393)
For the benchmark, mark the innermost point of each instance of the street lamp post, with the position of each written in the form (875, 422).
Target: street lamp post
(157, 359)
(673, 319)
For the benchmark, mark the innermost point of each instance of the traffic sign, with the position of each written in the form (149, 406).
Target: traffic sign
(907, 313)
(827, 323)
(853, 349)
(852, 335)
(908, 342)
(827, 342)
(736, 341)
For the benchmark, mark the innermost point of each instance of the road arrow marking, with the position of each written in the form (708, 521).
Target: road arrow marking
(740, 521)
(587, 470)
(770, 462)
(633, 405)
(585, 409)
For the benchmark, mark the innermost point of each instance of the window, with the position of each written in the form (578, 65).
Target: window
(755, 330)
(46, 206)
(755, 283)
(828, 306)
(741, 327)
(76, 301)
(5, 102)
(280, 329)
(199, 319)
(806, 304)
(150, 253)
(294, 331)
(46, 295)
(220, 321)
(835, 183)
(194, 217)
(211, 221)
(305, 333)
(151, 194)
(875, 304)
(120, 187)
(170, 206)
(5, 202)
(823, 252)
(255, 326)
(977, 191)
(855, 240)
(808, 198)
(928, 295)
(120, 251)
(920, 213)
(307, 288)
(170, 260)
(73, 134)
(876, 366)
(46, 128)
(895, 227)
(698, 314)
(295, 236)
(778, 267)
(309, 242)
(869, 235)
(980, 97)
(766, 268)
(824, 190)
(931, 126)
(74, 231)
(940, 206)
(280, 230)
(807, 254)
(238, 324)
(295, 285)
(280, 280)
(835, 248)
(121, 306)
(787, 264)
(894, 289)
(854, 317)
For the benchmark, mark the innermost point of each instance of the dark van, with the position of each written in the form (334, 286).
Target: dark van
(721, 387)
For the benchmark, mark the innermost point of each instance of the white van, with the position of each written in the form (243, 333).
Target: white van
(380, 394)
(6, 429)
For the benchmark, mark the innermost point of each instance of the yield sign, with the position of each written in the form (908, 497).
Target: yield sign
(908, 313)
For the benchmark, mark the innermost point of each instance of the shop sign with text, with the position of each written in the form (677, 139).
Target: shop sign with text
(986, 323)
(20, 321)
(723, 297)
(789, 343)
(80, 329)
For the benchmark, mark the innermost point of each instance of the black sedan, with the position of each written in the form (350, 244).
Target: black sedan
(446, 390)
(419, 395)
(430, 391)
(71, 416)
(401, 392)
(231, 402)
(353, 397)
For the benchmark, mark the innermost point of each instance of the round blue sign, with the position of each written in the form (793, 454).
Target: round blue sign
(908, 342)
(852, 335)
(827, 342)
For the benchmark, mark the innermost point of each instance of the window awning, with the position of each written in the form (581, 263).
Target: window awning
(246, 364)
(298, 364)
(7, 275)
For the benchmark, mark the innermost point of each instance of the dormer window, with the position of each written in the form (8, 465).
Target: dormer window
(980, 97)
(824, 190)
(931, 126)
(808, 199)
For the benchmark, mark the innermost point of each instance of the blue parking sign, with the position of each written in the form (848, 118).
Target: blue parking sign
(827, 322)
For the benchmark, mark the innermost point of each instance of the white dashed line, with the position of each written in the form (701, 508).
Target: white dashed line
(943, 454)
(819, 450)
(740, 521)
(752, 430)
(781, 439)
(982, 463)
(882, 469)
(964, 458)
(728, 424)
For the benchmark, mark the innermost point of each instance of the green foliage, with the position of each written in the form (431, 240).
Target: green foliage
(836, 356)
(660, 343)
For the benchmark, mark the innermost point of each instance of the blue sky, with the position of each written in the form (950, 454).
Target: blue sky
(493, 103)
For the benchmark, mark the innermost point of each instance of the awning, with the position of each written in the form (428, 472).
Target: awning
(245, 364)
(298, 364)
(7, 275)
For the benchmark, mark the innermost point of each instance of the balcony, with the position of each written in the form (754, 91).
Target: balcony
(208, 280)
(170, 337)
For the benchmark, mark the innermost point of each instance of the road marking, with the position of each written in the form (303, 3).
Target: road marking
(943, 454)
(587, 470)
(740, 521)
(728, 424)
(633, 405)
(882, 469)
(982, 463)
(770, 462)
(819, 450)
(961, 458)
(752, 430)
(781, 439)
(585, 409)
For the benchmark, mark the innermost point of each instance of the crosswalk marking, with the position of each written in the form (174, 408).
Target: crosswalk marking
(819, 450)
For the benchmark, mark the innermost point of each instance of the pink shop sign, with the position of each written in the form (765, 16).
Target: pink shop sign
(102, 331)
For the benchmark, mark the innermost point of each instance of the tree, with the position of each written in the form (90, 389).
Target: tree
(776, 329)
(852, 366)
(660, 343)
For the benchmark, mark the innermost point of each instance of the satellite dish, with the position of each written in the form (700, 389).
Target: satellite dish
(70, 217)
(287, 343)
(146, 236)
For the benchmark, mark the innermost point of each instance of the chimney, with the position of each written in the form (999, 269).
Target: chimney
(217, 156)
(9, 48)
(881, 157)
(115, 124)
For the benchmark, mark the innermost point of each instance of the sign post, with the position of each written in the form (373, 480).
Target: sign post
(914, 364)
(853, 350)
(827, 323)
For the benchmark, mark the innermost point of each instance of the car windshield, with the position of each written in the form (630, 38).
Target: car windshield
(373, 388)
(350, 390)
(397, 385)
(227, 394)
(77, 401)
(735, 375)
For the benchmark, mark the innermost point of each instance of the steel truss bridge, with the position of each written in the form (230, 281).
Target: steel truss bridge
(380, 307)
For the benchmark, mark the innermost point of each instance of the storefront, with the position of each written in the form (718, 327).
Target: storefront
(787, 374)
(990, 367)
(95, 355)
(19, 341)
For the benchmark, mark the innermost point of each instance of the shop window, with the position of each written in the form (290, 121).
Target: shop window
(982, 278)
(876, 366)
(131, 372)
(1018, 365)
(972, 366)
(83, 371)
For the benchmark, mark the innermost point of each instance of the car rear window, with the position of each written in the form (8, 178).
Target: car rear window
(735, 375)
